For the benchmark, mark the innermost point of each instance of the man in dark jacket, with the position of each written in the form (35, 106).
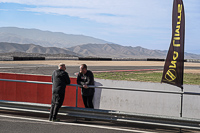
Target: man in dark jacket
(60, 79)
(85, 78)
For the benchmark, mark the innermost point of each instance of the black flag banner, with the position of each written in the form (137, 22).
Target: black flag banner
(174, 64)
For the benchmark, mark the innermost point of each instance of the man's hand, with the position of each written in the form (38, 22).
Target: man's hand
(85, 86)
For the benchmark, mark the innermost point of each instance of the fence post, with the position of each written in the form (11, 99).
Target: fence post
(76, 96)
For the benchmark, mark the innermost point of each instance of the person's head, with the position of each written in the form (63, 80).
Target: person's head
(83, 68)
(62, 66)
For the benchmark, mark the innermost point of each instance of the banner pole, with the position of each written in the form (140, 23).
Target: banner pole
(181, 113)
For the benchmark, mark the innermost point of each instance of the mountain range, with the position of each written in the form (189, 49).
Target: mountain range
(87, 50)
(116, 51)
(14, 40)
(44, 38)
(31, 48)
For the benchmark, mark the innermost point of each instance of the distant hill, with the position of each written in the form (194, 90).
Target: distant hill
(31, 48)
(86, 50)
(44, 38)
(118, 51)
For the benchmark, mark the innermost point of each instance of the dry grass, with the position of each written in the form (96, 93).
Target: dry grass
(97, 63)
(194, 71)
(105, 63)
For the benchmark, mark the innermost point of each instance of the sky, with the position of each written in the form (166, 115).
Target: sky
(145, 23)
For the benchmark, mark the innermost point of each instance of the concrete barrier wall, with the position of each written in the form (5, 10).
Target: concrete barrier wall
(5, 58)
(35, 93)
(61, 58)
(191, 104)
(145, 102)
(193, 60)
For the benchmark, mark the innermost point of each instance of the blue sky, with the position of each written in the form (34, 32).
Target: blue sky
(145, 23)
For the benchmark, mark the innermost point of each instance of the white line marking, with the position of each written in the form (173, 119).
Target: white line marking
(17, 109)
(28, 110)
(75, 124)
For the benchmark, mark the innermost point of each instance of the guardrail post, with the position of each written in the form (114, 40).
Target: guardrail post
(181, 112)
(76, 101)
(76, 96)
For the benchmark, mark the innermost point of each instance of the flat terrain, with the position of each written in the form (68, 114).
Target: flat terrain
(46, 67)
(97, 63)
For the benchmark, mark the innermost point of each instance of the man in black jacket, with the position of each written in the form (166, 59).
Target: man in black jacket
(85, 78)
(60, 79)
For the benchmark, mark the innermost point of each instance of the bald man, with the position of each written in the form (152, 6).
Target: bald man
(60, 79)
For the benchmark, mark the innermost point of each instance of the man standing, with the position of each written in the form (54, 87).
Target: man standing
(60, 79)
(85, 78)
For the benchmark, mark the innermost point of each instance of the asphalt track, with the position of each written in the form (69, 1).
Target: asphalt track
(21, 122)
(48, 69)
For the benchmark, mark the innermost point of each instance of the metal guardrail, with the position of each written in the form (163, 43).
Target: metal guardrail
(106, 87)
(110, 115)
(106, 115)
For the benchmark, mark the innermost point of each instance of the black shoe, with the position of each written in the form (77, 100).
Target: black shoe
(88, 119)
(56, 120)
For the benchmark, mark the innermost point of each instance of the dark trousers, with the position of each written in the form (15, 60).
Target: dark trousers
(87, 100)
(56, 103)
